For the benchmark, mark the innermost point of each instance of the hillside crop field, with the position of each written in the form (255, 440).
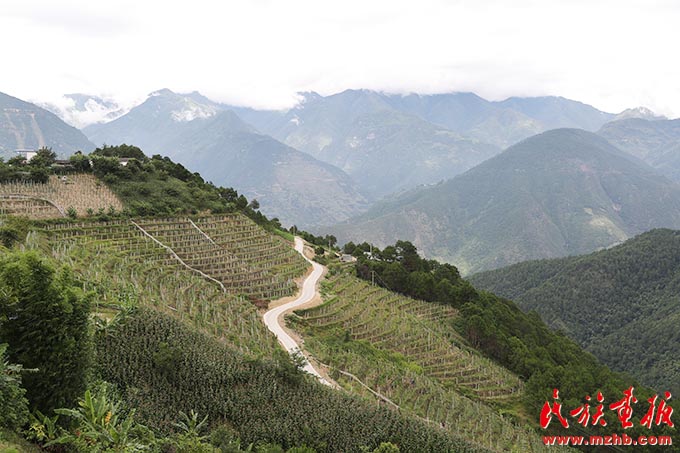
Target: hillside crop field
(408, 351)
(212, 282)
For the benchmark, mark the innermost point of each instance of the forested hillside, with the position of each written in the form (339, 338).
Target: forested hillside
(621, 304)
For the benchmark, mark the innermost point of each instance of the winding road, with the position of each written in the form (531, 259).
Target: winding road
(273, 319)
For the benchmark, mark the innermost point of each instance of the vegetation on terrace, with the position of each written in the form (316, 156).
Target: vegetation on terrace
(408, 351)
(128, 268)
(163, 367)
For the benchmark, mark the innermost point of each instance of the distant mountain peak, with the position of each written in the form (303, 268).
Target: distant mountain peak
(305, 97)
(184, 107)
(561, 192)
(162, 92)
(639, 112)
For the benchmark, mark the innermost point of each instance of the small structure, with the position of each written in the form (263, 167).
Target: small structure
(62, 163)
(28, 154)
(346, 258)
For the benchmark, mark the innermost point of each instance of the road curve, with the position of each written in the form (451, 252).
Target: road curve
(273, 316)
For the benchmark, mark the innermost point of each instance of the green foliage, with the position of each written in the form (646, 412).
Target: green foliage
(190, 438)
(13, 403)
(386, 447)
(98, 425)
(43, 311)
(120, 151)
(43, 429)
(45, 157)
(621, 304)
(11, 442)
(13, 230)
(80, 162)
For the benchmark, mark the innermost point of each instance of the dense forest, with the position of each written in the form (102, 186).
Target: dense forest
(621, 304)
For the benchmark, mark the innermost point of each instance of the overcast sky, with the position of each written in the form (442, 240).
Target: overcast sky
(611, 54)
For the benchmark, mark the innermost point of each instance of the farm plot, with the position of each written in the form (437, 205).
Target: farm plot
(52, 199)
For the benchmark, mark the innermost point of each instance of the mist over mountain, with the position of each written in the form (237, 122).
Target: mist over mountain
(81, 110)
(554, 112)
(657, 142)
(205, 137)
(26, 126)
(562, 192)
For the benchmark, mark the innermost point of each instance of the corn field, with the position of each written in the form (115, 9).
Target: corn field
(254, 397)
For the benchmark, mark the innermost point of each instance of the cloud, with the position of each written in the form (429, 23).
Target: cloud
(612, 54)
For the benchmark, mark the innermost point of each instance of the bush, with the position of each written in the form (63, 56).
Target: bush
(13, 403)
(48, 328)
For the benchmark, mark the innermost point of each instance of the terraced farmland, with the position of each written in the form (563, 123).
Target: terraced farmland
(195, 278)
(408, 351)
(419, 330)
(52, 199)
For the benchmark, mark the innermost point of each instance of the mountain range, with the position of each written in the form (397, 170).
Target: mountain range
(26, 126)
(562, 192)
(205, 137)
(502, 123)
(384, 149)
(331, 157)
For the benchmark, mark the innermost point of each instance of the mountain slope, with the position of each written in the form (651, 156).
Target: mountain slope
(156, 122)
(198, 133)
(657, 142)
(554, 112)
(384, 149)
(621, 304)
(559, 193)
(27, 126)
